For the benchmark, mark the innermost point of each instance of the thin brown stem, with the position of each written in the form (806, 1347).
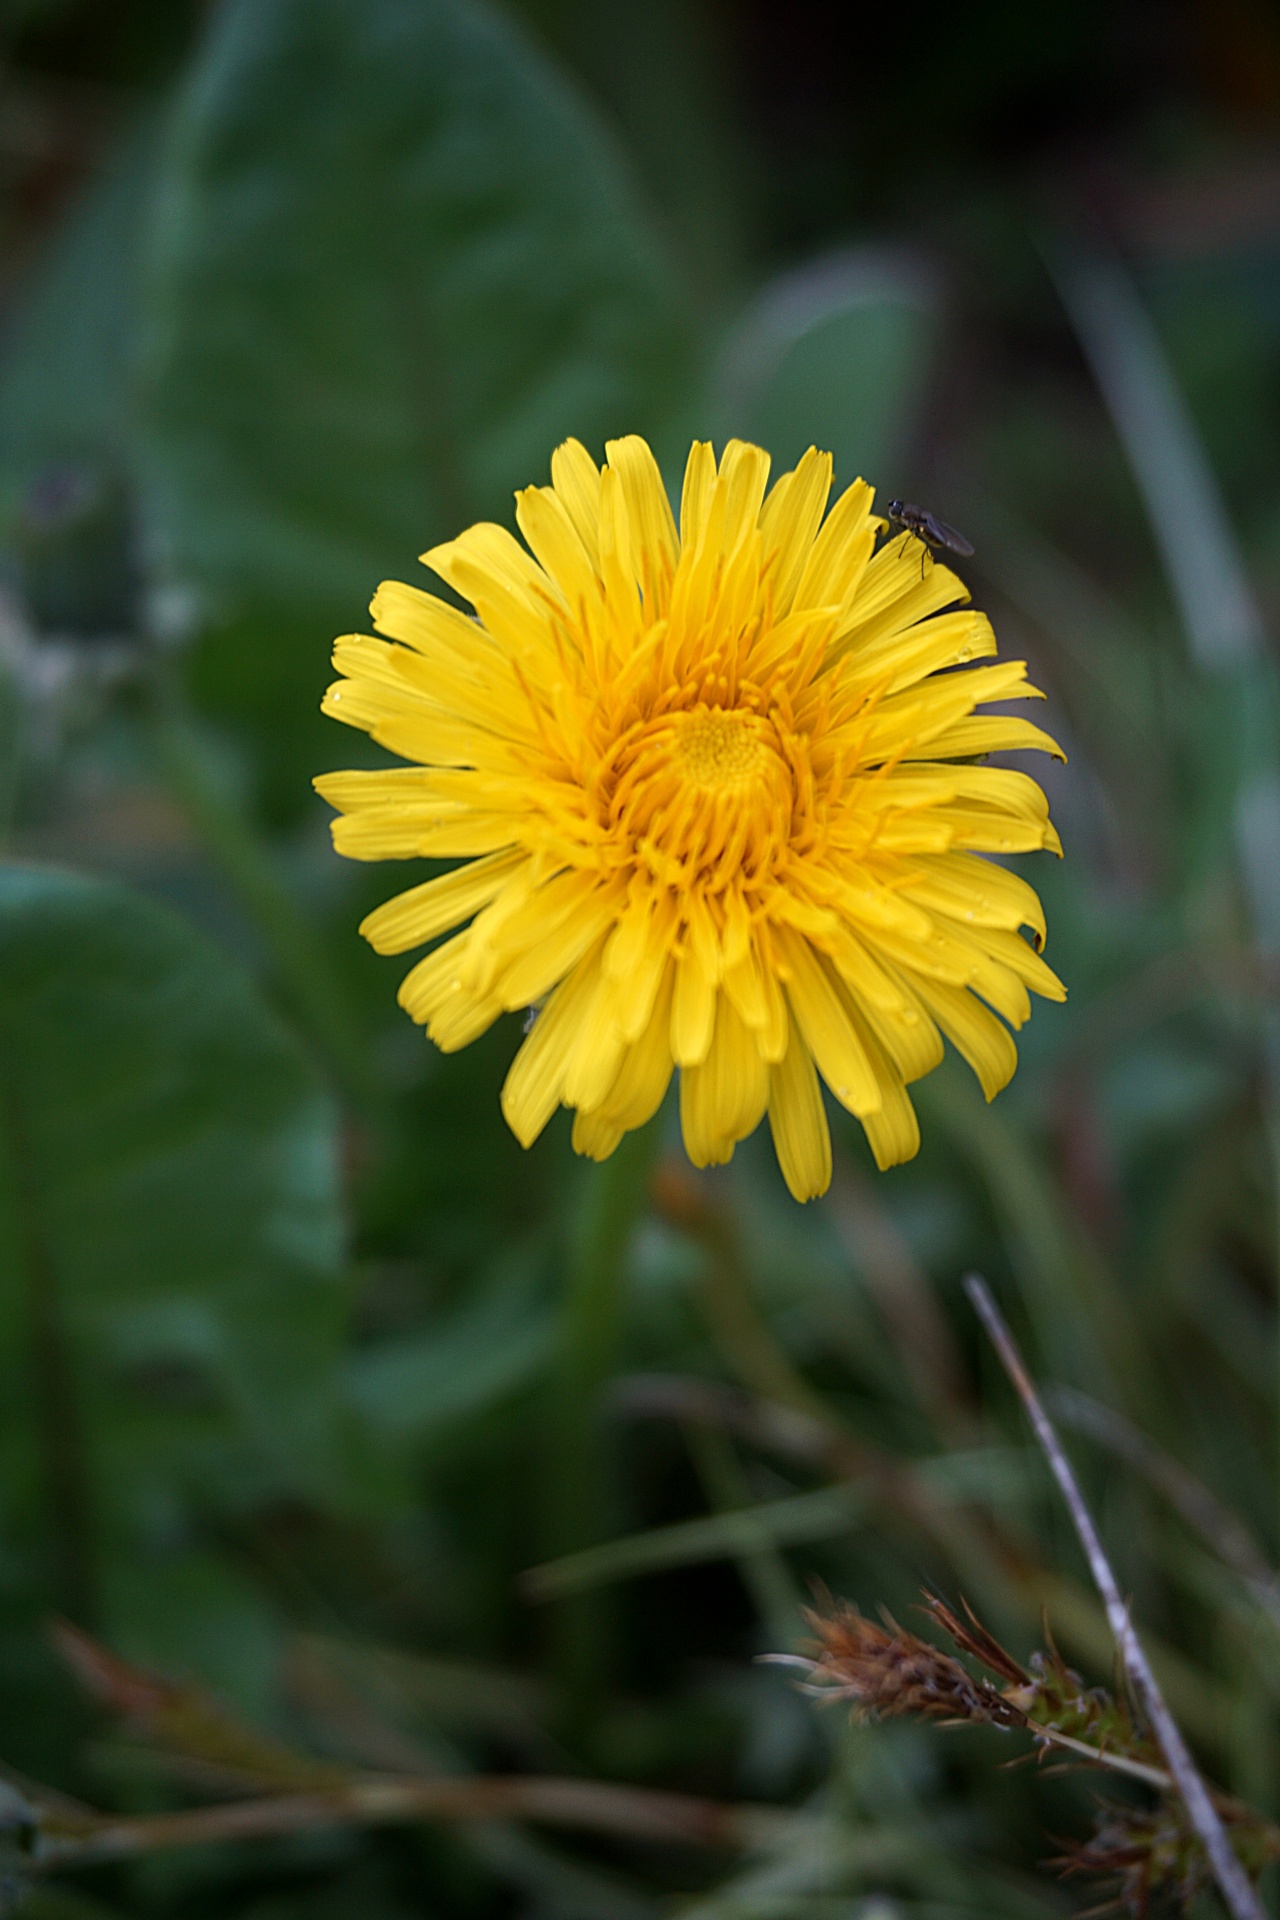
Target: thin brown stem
(1233, 1882)
(904, 1301)
(588, 1806)
(1103, 1757)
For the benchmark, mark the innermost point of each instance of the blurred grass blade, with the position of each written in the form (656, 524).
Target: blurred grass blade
(466, 1696)
(718, 1536)
(1222, 1530)
(1079, 1317)
(762, 1569)
(1184, 503)
(1225, 630)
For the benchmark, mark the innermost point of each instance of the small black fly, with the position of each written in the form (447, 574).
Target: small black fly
(927, 527)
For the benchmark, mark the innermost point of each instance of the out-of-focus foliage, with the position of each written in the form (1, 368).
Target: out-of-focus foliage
(172, 1257)
(304, 1364)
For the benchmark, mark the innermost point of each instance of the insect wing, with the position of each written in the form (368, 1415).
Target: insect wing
(942, 534)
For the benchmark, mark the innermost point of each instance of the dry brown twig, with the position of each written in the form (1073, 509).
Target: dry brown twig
(883, 1671)
(293, 1791)
(1237, 1890)
(1194, 1833)
(585, 1806)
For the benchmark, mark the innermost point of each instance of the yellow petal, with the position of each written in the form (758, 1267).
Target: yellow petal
(897, 589)
(789, 522)
(901, 657)
(374, 787)
(1011, 950)
(637, 955)
(618, 568)
(993, 733)
(656, 546)
(598, 1050)
(984, 1042)
(435, 994)
(512, 595)
(432, 627)
(419, 915)
(829, 1034)
(695, 501)
(724, 1098)
(918, 783)
(551, 953)
(744, 474)
(915, 720)
(556, 544)
(886, 1004)
(693, 1012)
(894, 1133)
(532, 1089)
(976, 892)
(838, 560)
(595, 1137)
(647, 1066)
(798, 1122)
(463, 1020)
(938, 828)
(526, 923)
(440, 832)
(576, 479)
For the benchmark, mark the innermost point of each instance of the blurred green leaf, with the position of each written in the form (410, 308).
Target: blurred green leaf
(170, 1249)
(836, 355)
(484, 1352)
(68, 361)
(662, 70)
(396, 261)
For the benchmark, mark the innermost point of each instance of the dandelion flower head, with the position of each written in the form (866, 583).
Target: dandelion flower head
(719, 797)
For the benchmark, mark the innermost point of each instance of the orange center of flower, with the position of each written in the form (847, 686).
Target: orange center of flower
(716, 749)
(702, 797)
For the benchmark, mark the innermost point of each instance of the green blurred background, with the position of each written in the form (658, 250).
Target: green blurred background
(303, 1363)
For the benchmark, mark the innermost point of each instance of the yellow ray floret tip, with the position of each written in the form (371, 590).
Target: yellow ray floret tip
(716, 783)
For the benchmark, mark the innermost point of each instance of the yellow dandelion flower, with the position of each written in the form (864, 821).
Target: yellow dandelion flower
(715, 795)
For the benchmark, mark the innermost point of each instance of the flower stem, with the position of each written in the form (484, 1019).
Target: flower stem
(577, 1493)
